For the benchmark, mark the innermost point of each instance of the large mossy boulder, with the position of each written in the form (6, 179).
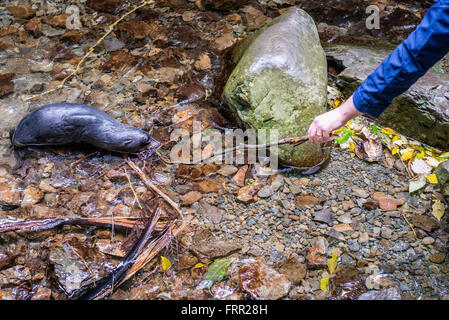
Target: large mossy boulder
(280, 82)
(422, 112)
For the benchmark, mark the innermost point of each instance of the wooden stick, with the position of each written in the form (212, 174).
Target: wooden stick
(150, 185)
(292, 140)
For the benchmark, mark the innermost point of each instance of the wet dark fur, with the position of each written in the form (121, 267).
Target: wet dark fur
(69, 123)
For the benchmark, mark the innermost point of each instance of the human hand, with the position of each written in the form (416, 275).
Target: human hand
(322, 126)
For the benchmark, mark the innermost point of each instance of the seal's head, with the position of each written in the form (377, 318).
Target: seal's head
(133, 140)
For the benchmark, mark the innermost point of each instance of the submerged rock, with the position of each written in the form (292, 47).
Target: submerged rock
(442, 172)
(280, 83)
(385, 294)
(76, 265)
(262, 281)
(6, 83)
(422, 112)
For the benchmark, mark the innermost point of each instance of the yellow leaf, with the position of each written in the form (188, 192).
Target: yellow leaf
(351, 147)
(407, 154)
(166, 263)
(388, 131)
(332, 263)
(200, 265)
(395, 150)
(445, 155)
(395, 138)
(438, 209)
(432, 178)
(337, 102)
(420, 155)
(324, 284)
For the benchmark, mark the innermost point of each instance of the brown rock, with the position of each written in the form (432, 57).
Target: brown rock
(4, 45)
(133, 30)
(6, 84)
(239, 178)
(234, 18)
(58, 21)
(262, 281)
(390, 204)
(22, 35)
(118, 60)
(104, 5)
(188, 16)
(255, 18)
(186, 261)
(190, 197)
(31, 196)
(302, 201)
(342, 227)
(72, 36)
(294, 270)
(371, 204)
(22, 12)
(426, 223)
(204, 244)
(437, 258)
(34, 26)
(246, 194)
(227, 170)
(122, 210)
(42, 294)
(207, 185)
(9, 195)
(202, 63)
(213, 213)
(316, 257)
(225, 41)
(347, 204)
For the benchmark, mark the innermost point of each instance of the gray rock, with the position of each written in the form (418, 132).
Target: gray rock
(265, 192)
(113, 44)
(442, 172)
(323, 216)
(213, 213)
(385, 294)
(360, 192)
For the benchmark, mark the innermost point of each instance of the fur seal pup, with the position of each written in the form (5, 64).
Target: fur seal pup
(70, 123)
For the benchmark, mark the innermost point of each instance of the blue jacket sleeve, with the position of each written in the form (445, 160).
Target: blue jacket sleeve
(407, 63)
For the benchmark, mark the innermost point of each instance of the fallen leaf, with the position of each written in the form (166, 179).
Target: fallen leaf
(324, 284)
(332, 263)
(217, 270)
(432, 178)
(416, 184)
(407, 154)
(438, 209)
(419, 166)
(166, 263)
(388, 131)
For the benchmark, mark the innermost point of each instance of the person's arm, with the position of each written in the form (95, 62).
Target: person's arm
(399, 71)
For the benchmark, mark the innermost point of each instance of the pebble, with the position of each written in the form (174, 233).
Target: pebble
(360, 192)
(428, 240)
(385, 294)
(437, 258)
(265, 192)
(323, 216)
